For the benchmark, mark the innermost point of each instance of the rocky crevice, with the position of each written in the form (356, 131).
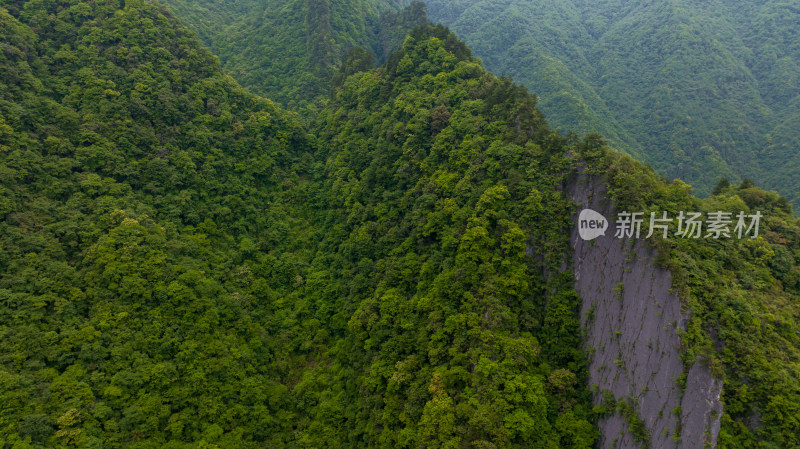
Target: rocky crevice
(631, 319)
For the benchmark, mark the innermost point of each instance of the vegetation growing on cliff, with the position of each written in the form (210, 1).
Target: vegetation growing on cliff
(743, 294)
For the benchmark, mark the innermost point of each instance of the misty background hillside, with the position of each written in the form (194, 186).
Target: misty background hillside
(701, 91)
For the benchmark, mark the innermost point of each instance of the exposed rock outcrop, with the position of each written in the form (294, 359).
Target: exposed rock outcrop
(631, 319)
(701, 408)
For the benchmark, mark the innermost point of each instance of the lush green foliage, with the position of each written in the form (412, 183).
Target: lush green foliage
(287, 50)
(182, 266)
(697, 89)
(439, 179)
(145, 239)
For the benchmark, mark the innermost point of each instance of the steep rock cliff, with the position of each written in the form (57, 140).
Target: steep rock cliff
(632, 320)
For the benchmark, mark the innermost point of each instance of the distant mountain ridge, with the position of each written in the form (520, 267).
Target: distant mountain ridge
(288, 50)
(701, 90)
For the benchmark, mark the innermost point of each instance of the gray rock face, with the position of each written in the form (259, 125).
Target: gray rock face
(631, 319)
(701, 408)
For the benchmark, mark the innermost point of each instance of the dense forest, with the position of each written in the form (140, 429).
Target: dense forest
(288, 50)
(700, 90)
(185, 264)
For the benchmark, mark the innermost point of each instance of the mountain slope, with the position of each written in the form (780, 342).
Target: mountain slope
(700, 91)
(288, 50)
(143, 193)
(436, 175)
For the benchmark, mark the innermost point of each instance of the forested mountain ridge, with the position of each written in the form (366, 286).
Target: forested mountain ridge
(182, 264)
(287, 50)
(699, 90)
